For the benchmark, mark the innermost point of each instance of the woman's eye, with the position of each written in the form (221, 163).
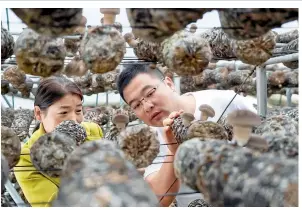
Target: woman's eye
(63, 113)
(79, 111)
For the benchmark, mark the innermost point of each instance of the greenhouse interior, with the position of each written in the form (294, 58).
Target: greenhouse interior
(149, 107)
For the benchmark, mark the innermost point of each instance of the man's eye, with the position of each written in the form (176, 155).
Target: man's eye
(136, 106)
(63, 113)
(151, 93)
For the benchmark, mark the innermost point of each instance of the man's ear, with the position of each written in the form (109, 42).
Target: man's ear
(38, 113)
(170, 83)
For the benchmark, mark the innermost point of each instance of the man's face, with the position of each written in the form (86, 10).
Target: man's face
(158, 104)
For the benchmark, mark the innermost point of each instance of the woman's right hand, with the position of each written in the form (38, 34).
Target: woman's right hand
(169, 136)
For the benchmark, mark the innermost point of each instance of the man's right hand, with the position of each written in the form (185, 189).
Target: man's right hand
(169, 136)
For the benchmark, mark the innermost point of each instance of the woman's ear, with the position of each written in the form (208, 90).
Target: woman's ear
(38, 113)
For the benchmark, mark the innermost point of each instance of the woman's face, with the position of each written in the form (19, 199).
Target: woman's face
(68, 107)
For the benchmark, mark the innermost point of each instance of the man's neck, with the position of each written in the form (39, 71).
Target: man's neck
(187, 103)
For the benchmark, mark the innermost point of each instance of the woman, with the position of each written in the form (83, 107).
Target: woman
(57, 99)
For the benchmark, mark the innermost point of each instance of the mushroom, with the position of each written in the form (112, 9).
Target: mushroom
(73, 129)
(4, 172)
(10, 146)
(76, 67)
(139, 144)
(291, 47)
(249, 23)
(7, 116)
(242, 122)
(103, 47)
(186, 53)
(22, 121)
(149, 51)
(207, 130)
(98, 173)
(49, 153)
(193, 28)
(207, 111)
(178, 127)
(157, 24)
(258, 143)
(39, 55)
(228, 175)
(109, 15)
(120, 121)
(257, 50)
(51, 21)
(98, 115)
(187, 118)
(220, 43)
(199, 203)
(7, 44)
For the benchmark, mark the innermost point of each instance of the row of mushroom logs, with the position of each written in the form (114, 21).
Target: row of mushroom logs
(262, 173)
(245, 23)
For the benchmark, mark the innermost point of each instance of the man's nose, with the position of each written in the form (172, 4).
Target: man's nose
(147, 105)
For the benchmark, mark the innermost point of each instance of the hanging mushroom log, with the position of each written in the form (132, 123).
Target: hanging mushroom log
(291, 47)
(223, 80)
(156, 24)
(232, 176)
(7, 44)
(71, 44)
(257, 50)
(220, 43)
(22, 121)
(73, 129)
(288, 36)
(186, 53)
(4, 172)
(49, 153)
(184, 127)
(287, 144)
(39, 55)
(76, 67)
(98, 173)
(144, 50)
(139, 144)
(278, 124)
(106, 81)
(10, 146)
(18, 80)
(103, 48)
(51, 21)
(291, 112)
(7, 116)
(98, 115)
(249, 23)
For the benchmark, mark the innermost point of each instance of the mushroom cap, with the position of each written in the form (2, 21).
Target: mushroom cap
(244, 118)
(257, 142)
(208, 109)
(128, 37)
(110, 10)
(193, 26)
(83, 21)
(187, 116)
(120, 118)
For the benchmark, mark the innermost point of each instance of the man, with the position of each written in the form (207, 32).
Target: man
(154, 100)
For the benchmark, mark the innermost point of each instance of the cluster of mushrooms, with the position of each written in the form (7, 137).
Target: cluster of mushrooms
(241, 160)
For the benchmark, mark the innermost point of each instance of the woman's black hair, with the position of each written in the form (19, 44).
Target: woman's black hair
(52, 89)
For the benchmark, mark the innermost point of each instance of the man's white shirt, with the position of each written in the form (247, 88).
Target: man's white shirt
(218, 100)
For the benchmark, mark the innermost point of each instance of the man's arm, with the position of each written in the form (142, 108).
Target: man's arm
(160, 181)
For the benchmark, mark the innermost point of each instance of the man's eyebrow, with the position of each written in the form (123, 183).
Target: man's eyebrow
(142, 90)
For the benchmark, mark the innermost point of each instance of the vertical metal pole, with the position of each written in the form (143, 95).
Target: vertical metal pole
(261, 80)
(7, 19)
(14, 194)
(289, 96)
(97, 99)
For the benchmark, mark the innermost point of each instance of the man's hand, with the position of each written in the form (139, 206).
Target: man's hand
(168, 131)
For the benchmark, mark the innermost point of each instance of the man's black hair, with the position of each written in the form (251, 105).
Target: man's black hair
(130, 71)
